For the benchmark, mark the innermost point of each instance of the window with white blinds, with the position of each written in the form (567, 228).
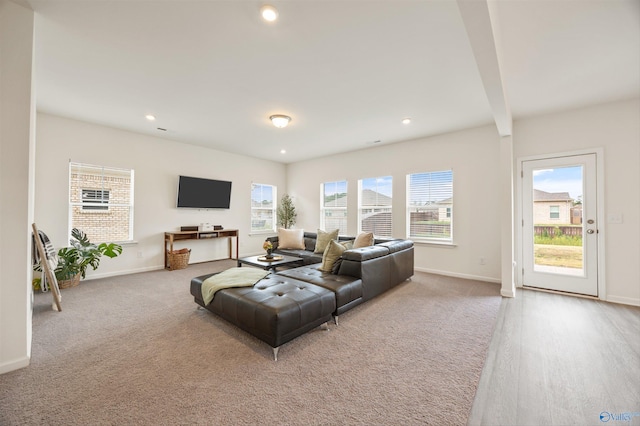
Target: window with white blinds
(430, 206)
(374, 206)
(333, 206)
(263, 208)
(101, 202)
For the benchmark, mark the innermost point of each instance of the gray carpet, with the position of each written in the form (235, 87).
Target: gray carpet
(135, 350)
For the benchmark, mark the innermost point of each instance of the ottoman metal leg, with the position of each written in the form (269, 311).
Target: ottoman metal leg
(275, 353)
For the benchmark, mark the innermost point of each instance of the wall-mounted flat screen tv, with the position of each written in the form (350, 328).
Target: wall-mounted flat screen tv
(199, 193)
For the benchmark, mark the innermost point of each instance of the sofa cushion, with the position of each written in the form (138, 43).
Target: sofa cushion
(397, 245)
(364, 239)
(331, 254)
(306, 257)
(323, 239)
(347, 289)
(291, 239)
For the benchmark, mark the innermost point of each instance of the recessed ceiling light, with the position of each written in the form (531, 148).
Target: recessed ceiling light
(283, 151)
(269, 13)
(150, 117)
(406, 120)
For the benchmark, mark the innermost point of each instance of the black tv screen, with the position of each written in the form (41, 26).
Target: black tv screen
(201, 193)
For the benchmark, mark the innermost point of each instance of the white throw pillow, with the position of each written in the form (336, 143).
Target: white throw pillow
(291, 239)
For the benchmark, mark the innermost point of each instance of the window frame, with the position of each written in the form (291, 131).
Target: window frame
(110, 204)
(324, 208)
(273, 209)
(444, 210)
(374, 207)
(552, 212)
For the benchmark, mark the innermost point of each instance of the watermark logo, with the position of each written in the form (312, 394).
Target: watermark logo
(626, 416)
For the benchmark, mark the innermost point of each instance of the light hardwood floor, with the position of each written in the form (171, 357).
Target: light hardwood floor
(561, 360)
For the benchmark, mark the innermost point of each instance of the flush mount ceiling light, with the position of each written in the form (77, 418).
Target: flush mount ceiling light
(269, 13)
(406, 120)
(280, 121)
(150, 117)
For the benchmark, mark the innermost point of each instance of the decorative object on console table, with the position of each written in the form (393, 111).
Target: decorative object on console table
(268, 247)
(205, 227)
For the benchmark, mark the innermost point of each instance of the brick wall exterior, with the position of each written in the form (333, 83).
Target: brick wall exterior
(102, 225)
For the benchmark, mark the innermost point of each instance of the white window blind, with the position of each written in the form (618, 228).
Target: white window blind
(430, 206)
(333, 206)
(375, 206)
(263, 208)
(95, 199)
(101, 202)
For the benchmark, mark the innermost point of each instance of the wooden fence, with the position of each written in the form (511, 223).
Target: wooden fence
(553, 230)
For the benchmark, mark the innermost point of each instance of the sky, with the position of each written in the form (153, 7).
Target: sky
(561, 179)
(381, 185)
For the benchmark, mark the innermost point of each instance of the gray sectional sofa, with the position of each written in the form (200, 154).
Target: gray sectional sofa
(286, 304)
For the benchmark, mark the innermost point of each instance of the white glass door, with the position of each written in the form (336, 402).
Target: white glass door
(560, 227)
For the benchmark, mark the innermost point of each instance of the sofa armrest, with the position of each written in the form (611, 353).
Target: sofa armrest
(365, 253)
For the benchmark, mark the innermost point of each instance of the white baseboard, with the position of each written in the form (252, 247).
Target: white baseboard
(458, 275)
(14, 365)
(623, 300)
(507, 293)
(127, 272)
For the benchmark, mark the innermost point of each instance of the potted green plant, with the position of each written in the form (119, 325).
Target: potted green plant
(73, 261)
(287, 214)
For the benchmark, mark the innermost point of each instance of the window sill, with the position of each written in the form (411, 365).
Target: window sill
(271, 233)
(443, 244)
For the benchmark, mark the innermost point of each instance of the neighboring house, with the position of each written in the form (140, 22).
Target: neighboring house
(552, 207)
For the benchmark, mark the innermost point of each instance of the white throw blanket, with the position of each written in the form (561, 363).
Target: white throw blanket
(234, 277)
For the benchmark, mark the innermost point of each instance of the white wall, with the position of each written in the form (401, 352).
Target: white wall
(474, 156)
(16, 185)
(157, 163)
(615, 127)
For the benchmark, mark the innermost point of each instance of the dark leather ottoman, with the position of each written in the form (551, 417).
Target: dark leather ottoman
(276, 309)
(347, 290)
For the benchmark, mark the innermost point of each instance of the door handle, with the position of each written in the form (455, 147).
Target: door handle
(590, 231)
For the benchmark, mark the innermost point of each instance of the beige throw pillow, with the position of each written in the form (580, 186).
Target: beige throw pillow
(291, 239)
(348, 244)
(323, 239)
(331, 254)
(364, 239)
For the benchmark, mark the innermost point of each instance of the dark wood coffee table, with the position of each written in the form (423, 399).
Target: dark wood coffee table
(279, 260)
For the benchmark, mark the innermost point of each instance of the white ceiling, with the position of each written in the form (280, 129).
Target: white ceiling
(347, 72)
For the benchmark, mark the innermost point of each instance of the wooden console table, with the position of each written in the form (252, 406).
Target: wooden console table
(170, 237)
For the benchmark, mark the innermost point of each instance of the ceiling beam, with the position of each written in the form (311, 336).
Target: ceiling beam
(480, 21)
